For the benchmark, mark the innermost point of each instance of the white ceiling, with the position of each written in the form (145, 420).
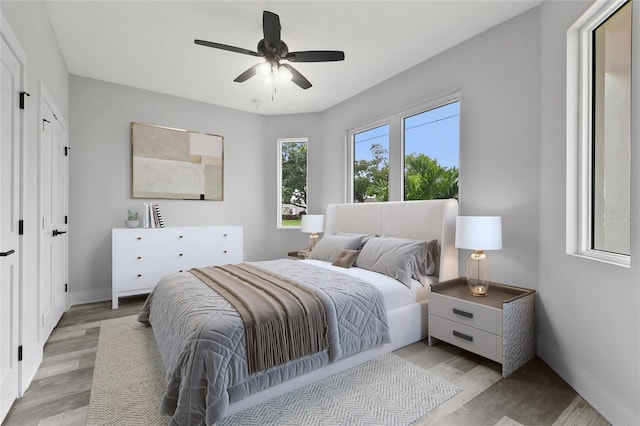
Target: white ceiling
(149, 44)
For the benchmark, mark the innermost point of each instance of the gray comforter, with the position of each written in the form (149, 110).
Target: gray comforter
(201, 337)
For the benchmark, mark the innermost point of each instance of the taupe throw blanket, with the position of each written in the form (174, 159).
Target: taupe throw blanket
(283, 320)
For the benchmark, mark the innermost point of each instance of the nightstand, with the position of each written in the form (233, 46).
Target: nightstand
(498, 326)
(295, 255)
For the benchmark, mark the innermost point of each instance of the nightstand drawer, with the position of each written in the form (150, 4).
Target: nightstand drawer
(477, 341)
(473, 315)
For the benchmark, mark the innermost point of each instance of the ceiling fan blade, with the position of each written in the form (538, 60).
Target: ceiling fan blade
(247, 74)
(226, 47)
(315, 56)
(271, 29)
(296, 77)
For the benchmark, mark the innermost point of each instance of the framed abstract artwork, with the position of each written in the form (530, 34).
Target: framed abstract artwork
(176, 164)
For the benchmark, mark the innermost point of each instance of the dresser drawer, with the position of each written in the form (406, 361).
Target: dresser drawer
(130, 256)
(137, 238)
(473, 315)
(477, 341)
(138, 277)
(202, 236)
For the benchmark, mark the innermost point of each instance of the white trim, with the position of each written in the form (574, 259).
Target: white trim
(395, 122)
(279, 180)
(24, 368)
(578, 132)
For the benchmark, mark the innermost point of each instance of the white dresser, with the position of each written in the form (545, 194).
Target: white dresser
(140, 257)
(498, 326)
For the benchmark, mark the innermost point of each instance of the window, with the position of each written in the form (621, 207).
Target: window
(431, 153)
(371, 165)
(599, 133)
(292, 181)
(410, 155)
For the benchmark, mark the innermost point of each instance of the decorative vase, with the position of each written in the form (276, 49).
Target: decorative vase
(132, 223)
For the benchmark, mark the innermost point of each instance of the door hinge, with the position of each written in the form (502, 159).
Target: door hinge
(66, 150)
(22, 95)
(20, 353)
(66, 220)
(21, 227)
(66, 288)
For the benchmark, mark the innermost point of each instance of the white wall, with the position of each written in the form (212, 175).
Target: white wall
(498, 76)
(45, 65)
(100, 177)
(588, 315)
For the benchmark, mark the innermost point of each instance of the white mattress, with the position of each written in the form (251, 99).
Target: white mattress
(395, 293)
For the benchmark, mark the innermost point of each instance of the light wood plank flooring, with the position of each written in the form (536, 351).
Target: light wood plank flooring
(533, 395)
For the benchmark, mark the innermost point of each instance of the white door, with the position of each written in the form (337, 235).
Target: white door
(10, 137)
(53, 227)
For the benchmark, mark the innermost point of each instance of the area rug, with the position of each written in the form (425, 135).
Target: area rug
(128, 383)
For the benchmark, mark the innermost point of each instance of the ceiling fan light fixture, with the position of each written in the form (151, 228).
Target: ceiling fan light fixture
(264, 69)
(284, 74)
(273, 49)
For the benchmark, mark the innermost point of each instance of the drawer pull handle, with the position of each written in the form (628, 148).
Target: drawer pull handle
(181, 236)
(139, 257)
(225, 252)
(463, 336)
(224, 235)
(139, 238)
(462, 313)
(139, 275)
(180, 255)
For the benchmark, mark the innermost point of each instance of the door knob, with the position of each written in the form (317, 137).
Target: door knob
(56, 232)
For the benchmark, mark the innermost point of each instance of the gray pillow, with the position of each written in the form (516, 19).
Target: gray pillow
(330, 246)
(346, 258)
(399, 258)
(365, 237)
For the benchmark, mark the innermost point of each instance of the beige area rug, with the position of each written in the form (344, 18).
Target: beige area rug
(128, 384)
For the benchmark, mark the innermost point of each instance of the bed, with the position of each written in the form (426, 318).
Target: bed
(210, 372)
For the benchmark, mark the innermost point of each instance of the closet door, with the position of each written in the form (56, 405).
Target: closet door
(53, 217)
(10, 138)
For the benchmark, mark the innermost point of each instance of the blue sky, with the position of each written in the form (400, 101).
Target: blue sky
(435, 133)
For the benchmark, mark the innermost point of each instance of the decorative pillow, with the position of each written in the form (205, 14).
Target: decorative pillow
(330, 246)
(346, 258)
(399, 258)
(365, 237)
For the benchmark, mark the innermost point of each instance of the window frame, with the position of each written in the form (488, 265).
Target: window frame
(579, 201)
(395, 120)
(280, 143)
(428, 106)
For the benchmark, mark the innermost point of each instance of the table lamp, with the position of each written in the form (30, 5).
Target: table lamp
(313, 224)
(478, 233)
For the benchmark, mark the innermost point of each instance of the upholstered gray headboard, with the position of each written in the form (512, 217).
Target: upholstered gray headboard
(420, 220)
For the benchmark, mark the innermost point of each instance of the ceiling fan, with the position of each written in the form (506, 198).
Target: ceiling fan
(274, 50)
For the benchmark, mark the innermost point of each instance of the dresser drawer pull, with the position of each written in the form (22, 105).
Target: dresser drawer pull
(224, 235)
(181, 255)
(139, 257)
(462, 313)
(139, 275)
(463, 336)
(225, 252)
(181, 236)
(139, 238)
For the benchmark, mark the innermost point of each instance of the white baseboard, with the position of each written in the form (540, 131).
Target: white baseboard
(89, 296)
(589, 388)
(30, 364)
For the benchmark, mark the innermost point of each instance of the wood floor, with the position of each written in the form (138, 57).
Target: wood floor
(533, 395)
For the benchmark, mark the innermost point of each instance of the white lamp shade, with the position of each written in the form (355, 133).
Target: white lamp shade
(312, 223)
(479, 232)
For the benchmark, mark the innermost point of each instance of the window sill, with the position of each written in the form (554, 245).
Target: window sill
(610, 258)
